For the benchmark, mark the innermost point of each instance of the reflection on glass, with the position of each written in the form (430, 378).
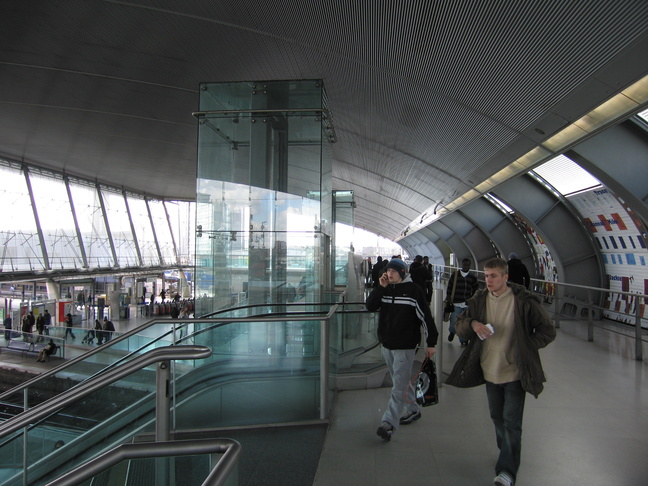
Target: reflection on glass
(260, 194)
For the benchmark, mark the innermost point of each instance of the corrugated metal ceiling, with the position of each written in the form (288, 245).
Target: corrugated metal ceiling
(427, 96)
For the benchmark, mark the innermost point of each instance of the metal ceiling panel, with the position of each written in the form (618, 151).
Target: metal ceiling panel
(428, 98)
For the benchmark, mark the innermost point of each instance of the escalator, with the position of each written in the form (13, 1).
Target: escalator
(258, 373)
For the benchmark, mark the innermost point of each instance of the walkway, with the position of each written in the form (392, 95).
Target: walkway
(588, 427)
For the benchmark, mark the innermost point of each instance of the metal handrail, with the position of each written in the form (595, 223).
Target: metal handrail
(151, 323)
(589, 289)
(68, 397)
(230, 449)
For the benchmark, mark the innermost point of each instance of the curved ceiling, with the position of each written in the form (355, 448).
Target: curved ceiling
(428, 98)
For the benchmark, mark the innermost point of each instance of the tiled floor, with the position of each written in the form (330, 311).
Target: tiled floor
(589, 427)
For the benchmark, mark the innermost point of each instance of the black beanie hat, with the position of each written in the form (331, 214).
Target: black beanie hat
(398, 265)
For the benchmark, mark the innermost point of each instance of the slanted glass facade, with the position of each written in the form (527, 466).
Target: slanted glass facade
(56, 222)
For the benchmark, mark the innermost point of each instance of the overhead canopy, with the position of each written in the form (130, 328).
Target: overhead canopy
(428, 98)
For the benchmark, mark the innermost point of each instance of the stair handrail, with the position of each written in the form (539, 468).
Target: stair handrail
(165, 353)
(230, 448)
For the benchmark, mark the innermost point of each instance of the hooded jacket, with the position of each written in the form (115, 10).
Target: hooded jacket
(533, 330)
(403, 310)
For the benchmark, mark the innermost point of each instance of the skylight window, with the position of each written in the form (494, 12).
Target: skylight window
(643, 115)
(499, 203)
(566, 176)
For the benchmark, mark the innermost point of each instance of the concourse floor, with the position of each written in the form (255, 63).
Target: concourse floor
(588, 427)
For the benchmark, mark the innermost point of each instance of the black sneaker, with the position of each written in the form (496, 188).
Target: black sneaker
(410, 417)
(385, 431)
(451, 336)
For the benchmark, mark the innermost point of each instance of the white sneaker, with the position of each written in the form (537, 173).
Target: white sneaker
(503, 479)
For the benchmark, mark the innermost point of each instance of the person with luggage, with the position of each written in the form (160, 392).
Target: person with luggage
(403, 313)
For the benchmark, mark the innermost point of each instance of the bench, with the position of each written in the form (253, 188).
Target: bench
(27, 347)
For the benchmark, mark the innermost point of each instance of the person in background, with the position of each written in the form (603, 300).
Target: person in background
(7, 325)
(48, 321)
(40, 327)
(517, 271)
(377, 271)
(49, 349)
(108, 329)
(419, 272)
(467, 284)
(403, 313)
(99, 333)
(68, 326)
(428, 282)
(508, 326)
(26, 328)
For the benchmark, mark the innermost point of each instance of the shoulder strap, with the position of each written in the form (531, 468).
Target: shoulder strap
(454, 286)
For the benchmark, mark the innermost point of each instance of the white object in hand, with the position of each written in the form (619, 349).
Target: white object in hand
(489, 326)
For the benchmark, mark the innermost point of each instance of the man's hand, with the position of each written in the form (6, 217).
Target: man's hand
(429, 352)
(481, 330)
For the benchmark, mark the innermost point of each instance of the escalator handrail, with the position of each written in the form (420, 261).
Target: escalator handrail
(72, 395)
(17, 389)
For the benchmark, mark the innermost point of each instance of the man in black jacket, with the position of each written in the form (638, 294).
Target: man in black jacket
(458, 293)
(517, 271)
(403, 311)
(419, 272)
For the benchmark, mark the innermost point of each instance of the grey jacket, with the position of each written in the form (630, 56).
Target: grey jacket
(533, 330)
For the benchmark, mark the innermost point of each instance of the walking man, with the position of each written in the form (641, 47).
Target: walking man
(506, 326)
(403, 311)
(461, 287)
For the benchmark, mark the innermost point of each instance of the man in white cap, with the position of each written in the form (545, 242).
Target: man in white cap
(403, 311)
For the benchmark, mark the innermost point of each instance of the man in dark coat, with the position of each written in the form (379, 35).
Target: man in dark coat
(517, 271)
(506, 326)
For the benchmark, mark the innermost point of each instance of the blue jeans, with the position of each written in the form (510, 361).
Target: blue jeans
(453, 318)
(403, 394)
(506, 405)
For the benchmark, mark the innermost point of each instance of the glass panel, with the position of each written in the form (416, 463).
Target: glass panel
(143, 230)
(56, 221)
(18, 234)
(249, 261)
(259, 372)
(162, 231)
(566, 176)
(259, 193)
(120, 228)
(182, 215)
(91, 224)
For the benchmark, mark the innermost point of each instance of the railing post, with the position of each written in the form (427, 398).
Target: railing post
(25, 457)
(162, 401)
(638, 342)
(439, 295)
(557, 307)
(162, 412)
(590, 321)
(324, 368)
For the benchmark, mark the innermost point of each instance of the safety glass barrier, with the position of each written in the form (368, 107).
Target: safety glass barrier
(54, 437)
(262, 370)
